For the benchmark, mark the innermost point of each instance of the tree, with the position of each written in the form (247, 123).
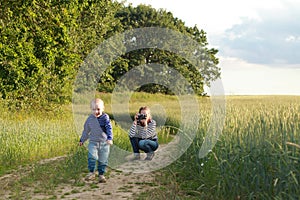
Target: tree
(146, 16)
(42, 44)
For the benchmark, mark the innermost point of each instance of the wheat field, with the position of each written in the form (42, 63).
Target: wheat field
(257, 156)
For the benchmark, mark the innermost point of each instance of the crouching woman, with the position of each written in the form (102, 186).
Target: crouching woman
(143, 135)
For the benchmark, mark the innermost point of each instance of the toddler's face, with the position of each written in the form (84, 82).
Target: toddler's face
(97, 110)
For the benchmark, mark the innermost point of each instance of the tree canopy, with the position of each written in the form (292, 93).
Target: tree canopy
(146, 16)
(43, 44)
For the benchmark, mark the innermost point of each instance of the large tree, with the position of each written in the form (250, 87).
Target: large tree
(43, 44)
(146, 16)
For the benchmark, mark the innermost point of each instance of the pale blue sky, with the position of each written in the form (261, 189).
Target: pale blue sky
(258, 40)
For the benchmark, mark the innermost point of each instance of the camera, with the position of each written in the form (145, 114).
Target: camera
(141, 117)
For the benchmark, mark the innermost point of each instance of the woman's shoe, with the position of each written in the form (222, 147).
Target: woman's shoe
(149, 156)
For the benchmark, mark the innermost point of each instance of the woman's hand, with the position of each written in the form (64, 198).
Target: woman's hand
(135, 118)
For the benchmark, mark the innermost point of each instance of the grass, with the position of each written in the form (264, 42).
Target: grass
(256, 157)
(29, 136)
(45, 178)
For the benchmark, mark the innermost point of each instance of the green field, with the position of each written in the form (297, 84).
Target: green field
(257, 155)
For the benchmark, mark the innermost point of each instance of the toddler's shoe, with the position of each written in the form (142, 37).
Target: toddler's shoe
(90, 176)
(102, 179)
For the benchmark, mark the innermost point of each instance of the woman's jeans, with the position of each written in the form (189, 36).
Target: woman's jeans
(148, 146)
(98, 151)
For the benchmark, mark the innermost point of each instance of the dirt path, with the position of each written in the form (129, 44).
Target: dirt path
(119, 185)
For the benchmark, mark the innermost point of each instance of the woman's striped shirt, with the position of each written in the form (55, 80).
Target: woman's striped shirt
(147, 132)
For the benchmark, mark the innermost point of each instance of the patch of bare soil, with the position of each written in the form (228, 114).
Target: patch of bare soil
(119, 185)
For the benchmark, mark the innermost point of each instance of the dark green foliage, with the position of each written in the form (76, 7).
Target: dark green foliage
(43, 44)
(145, 16)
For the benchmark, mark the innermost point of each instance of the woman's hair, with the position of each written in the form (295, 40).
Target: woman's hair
(147, 109)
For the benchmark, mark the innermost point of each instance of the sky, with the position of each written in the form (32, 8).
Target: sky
(258, 41)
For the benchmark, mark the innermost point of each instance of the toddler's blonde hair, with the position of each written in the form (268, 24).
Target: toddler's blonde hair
(97, 101)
